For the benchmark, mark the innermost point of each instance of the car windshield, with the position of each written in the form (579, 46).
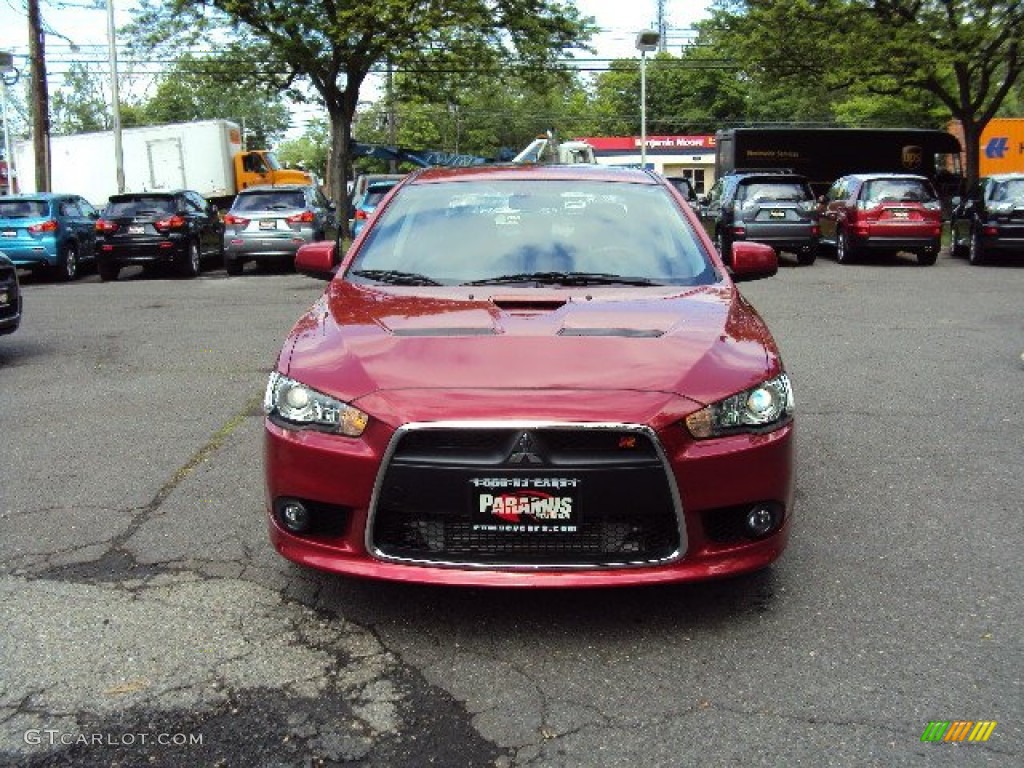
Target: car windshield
(789, 191)
(1011, 190)
(271, 200)
(899, 190)
(529, 231)
(136, 206)
(23, 209)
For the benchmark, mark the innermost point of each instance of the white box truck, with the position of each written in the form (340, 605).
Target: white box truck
(205, 156)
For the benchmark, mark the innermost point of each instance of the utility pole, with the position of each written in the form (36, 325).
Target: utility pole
(40, 97)
(390, 106)
(662, 27)
(115, 98)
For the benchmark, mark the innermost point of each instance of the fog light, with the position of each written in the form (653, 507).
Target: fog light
(294, 516)
(762, 520)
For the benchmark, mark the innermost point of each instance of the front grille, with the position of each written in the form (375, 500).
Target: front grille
(430, 503)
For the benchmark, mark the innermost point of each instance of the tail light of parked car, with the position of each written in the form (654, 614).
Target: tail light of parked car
(50, 225)
(171, 222)
(106, 226)
(306, 217)
(230, 218)
(362, 215)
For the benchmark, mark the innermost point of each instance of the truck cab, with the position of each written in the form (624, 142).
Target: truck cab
(260, 167)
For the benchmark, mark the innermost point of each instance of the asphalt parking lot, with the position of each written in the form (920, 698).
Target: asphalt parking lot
(148, 622)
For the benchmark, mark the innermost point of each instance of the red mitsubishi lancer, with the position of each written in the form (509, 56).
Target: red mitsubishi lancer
(531, 376)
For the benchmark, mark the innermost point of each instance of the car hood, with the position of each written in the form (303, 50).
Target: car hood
(424, 353)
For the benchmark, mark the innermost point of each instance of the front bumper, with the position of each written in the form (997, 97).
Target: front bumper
(707, 486)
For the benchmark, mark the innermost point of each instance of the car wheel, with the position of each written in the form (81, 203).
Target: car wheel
(956, 246)
(233, 266)
(844, 251)
(67, 264)
(927, 258)
(976, 251)
(723, 248)
(191, 263)
(108, 272)
(806, 258)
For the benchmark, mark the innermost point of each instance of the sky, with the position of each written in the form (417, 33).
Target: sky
(84, 24)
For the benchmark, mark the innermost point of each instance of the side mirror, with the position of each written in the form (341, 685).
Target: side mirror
(317, 259)
(753, 261)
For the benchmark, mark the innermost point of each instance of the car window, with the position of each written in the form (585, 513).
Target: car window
(140, 206)
(773, 190)
(23, 209)
(68, 208)
(898, 190)
(375, 193)
(525, 226)
(1011, 190)
(86, 207)
(271, 200)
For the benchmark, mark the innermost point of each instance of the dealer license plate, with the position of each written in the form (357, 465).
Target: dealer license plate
(268, 224)
(136, 230)
(777, 214)
(901, 214)
(523, 504)
(9, 233)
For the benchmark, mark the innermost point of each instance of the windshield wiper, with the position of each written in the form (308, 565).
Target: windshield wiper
(565, 278)
(395, 277)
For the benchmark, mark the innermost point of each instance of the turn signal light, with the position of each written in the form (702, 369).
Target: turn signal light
(305, 217)
(105, 225)
(172, 222)
(50, 225)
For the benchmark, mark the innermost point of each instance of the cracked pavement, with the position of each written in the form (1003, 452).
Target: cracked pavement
(143, 607)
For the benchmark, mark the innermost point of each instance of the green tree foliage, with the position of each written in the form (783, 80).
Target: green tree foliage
(333, 45)
(873, 59)
(309, 151)
(80, 104)
(220, 86)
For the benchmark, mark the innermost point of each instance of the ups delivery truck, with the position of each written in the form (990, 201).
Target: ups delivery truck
(822, 155)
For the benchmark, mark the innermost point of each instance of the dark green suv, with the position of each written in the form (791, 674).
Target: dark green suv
(772, 207)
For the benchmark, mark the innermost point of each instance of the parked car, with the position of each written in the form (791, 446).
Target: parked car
(10, 296)
(366, 204)
(990, 218)
(496, 391)
(179, 227)
(685, 187)
(774, 207)
(882, 213)
(48, 232)
(270, 223)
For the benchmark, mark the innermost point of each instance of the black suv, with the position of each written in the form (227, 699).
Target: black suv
(990, 218)
(773, 207)
(150, 228)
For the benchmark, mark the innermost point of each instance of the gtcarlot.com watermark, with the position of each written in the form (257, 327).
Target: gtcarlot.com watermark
(55, 738)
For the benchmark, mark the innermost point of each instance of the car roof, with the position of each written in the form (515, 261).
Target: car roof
(1005, 176)
(879, 175)
(38, 196)
(508, 171)
(153, 193)
(275, 188)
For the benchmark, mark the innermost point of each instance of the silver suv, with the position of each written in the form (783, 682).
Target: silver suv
(270, 224)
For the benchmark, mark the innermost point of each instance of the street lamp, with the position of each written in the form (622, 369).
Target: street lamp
(647, 40)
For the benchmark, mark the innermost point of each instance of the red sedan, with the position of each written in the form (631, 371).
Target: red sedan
(531, 376)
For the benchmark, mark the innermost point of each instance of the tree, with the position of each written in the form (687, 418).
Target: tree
(220, 86)
(961, 59)
(309, 151)
(334, 45)
(80, 104)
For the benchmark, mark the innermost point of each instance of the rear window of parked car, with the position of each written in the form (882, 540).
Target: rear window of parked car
(141, 205)
(269, 201)
(375, 193)
(23, 209)
(903, 190)
(778, 191)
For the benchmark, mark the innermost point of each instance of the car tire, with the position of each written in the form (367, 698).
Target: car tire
(722, 247)
(927, 258)
(844, 251)
(233, 267)
(956, 247)
(108, 272)
(67, 263)
(806, 258)
(191, 262)
(976, 251)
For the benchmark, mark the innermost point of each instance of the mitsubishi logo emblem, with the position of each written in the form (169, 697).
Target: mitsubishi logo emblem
(525, 451)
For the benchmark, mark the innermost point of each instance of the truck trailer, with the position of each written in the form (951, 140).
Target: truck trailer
(205, 156)
(822, 155)
(1001, 147)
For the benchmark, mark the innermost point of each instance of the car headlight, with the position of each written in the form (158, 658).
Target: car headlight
(293, 403)
(765, 407)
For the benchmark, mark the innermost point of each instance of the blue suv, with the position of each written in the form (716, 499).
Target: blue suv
(48, 232)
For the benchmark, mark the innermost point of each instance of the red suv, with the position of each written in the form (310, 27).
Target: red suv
(882, 213)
